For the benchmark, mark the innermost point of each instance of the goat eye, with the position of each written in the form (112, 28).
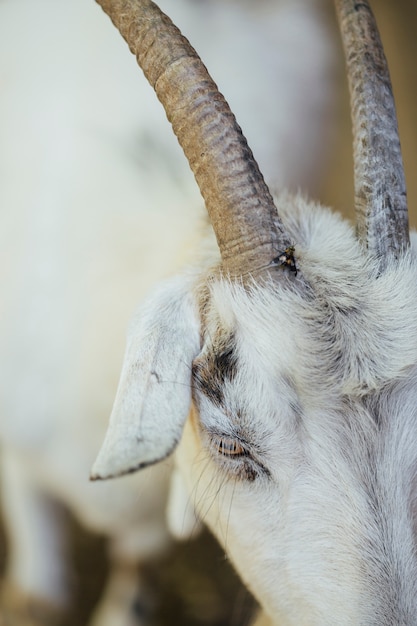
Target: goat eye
(230, 447)
(234, 457)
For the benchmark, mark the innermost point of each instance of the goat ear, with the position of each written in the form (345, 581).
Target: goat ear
(154, 393)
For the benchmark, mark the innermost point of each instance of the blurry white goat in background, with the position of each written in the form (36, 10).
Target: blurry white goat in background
(97, 205)
(286, 368)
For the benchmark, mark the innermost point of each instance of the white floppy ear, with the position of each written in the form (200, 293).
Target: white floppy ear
(154, 393)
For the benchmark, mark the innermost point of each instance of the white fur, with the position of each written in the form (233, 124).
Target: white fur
(318, 516)
(325, 404)
(98, 204)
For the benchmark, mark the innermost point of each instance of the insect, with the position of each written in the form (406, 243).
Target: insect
(286, 259)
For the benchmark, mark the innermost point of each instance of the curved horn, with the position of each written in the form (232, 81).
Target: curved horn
(248, 230)
(380, 192)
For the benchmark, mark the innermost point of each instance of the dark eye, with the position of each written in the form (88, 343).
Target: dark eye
(229, 447)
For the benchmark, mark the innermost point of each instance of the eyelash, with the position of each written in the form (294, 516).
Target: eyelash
(233, 457)
(229, 447)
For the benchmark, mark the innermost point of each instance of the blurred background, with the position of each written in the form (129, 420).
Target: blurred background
(194, 585)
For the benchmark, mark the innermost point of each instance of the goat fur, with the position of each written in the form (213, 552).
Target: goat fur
(314, 378)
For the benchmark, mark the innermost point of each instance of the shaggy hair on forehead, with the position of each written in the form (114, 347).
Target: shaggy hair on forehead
(352, 326)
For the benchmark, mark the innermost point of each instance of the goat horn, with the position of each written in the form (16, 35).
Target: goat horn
(380, 191)
(249, 231)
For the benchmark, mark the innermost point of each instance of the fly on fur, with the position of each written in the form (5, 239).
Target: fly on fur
(286, 259)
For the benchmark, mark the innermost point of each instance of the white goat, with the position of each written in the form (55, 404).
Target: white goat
(286, 370)
(96, 208)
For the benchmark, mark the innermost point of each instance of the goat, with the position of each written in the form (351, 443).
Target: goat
(74, 246)
(283, 372)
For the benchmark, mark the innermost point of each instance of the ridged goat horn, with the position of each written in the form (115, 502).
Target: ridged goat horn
(380, 192)
(249, 231)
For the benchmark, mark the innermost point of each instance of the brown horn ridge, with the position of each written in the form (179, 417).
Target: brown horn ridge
(249, 231)
(380, 191)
